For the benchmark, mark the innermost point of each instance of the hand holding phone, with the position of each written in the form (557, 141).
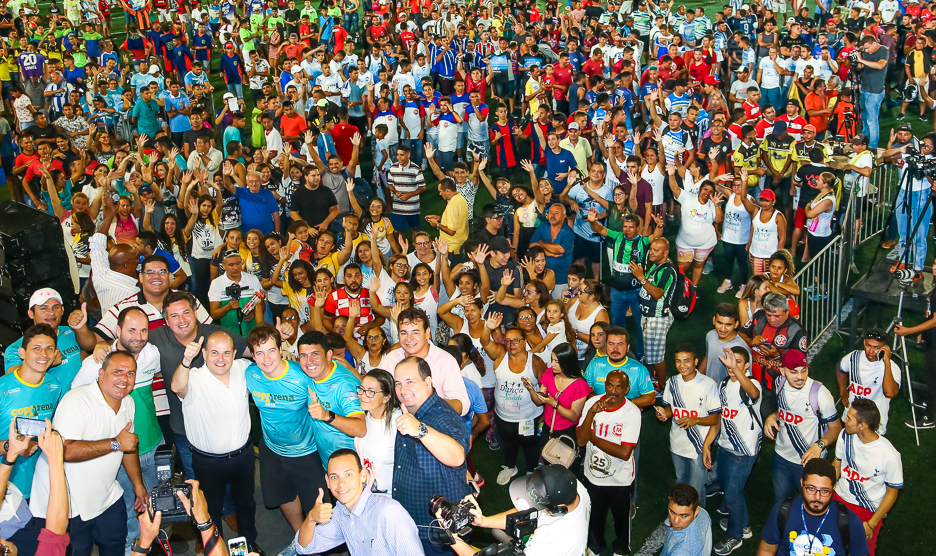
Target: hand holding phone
(238, 546)
(29, 427)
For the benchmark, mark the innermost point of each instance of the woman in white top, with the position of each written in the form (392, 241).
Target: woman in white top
(752, 297)
(425, 283)
(586, 310)
(471, 325)
(376, 344)
(693, 175)
(515, 415)
(699, 217)
(768, 232)
(535, 295)
(653, 172)
(819, 213)
(381, 407)
(202, 227)
(736, 233)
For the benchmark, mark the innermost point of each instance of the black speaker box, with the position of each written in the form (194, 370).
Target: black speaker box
(14, 301)
(7, 337)
(25, 231)
(51, 263)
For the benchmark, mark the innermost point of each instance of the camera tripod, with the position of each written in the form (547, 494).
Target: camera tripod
(898, 320)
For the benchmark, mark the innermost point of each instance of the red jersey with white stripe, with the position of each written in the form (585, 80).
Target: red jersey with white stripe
(339, 302)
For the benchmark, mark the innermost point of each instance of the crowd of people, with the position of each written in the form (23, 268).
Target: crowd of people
(242, 188)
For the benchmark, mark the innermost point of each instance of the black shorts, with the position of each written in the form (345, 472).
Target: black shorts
(283, 478)
(584, 249)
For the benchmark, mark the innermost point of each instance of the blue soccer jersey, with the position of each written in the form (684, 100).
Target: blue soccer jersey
(599, 368)
(64, 372)
(337, 392)
(283, 402)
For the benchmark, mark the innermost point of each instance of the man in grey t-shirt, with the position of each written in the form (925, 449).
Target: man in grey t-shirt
(873, 57)
(724, 336)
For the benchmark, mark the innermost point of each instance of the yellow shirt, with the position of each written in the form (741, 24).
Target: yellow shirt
(455, 217)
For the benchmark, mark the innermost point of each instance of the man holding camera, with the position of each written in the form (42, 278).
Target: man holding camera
(873, 56)
(230, 295)
(563, 505)
(96, 421)
(366, 523)
(217, 425)
(132, 337)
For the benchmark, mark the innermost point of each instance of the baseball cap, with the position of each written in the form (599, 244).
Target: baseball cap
(500, 244)
(547, 487)
(794, 359)
(809, 127)
(154, 69)
(746, 7)
(575, 126)
(323, 103)
(226, 96)
(779, 129)
(42, 295)
(145, 188)
(860, 139)
(768, 194)
(711, 80)
(904, 127)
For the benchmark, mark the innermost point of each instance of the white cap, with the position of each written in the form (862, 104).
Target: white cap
(227, 96)
(154, 69)
(40, 296)
(746, 7)
(295, 69)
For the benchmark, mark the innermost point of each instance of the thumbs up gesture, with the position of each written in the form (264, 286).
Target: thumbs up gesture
(322, 511)
(78, 318)
(128, 440)
(407, 424)
(316, 411)
(191, 352)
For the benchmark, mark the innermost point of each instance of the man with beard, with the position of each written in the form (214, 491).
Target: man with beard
(640, 390)
(334, 408)
(96, 422)
(413, 326)
(291, 472)
(133, 337)
(339, 301)
(215, 406)
(804, 519)
(45, 307)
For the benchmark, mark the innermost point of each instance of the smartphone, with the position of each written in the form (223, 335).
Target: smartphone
(29, 427)
(238, 546)
(232, 105)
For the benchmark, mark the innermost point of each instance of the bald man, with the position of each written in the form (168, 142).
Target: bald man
(657, 280)
(114, 270)
(217, 425)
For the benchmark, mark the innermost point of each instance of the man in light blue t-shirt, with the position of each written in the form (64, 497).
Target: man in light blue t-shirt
(334, 405)
(641, 389)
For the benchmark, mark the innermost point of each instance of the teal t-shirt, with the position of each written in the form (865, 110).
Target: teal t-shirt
(599, 368)
(283, 403)
(337, 392)
(147, 115)
(66, 371)
(35, 401)
(231, 133)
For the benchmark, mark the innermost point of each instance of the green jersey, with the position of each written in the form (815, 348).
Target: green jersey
(621, 251)
(662, 276)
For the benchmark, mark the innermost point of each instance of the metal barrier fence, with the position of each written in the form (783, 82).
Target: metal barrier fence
(823, 280)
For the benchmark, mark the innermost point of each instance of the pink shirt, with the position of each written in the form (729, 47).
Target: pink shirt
(576, 391)
(446, 374)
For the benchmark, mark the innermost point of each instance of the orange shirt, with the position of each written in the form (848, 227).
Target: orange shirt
(815, 102)
(293, 126)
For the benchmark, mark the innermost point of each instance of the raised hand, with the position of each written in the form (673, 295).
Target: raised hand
(404, 245)
(526, 165)
(494, 320)
(440, 246)
(285, 329)
(480, 254)
(356, 140)
(354, 310)
(322, 511)
(321, 296)
(78, 318)
(429, 151)
(309, 137)
(191, 352)
(128, 440)
(507, 278)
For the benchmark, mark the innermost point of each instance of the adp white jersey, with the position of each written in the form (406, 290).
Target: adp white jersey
(800, 420)
(866, 380)
(695, 398)
(867, 470)
(741, 427)
(619, 426)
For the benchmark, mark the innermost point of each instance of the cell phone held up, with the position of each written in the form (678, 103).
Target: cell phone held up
(238, 546)
(29, 427)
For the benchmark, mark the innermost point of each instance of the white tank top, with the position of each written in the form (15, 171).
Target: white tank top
(821, 225)
(611, 180)
(583, 326)
(376, 448)
(365, 367)
(487, 379)
(655, 179)
(765, 238)
(737, 227)
(430, 304)
(512, 402)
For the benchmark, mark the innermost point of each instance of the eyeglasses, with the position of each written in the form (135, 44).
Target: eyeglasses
(822, 491)
(422, 244)
(400, 264)
(365, 392)
(514, 340)
(525, 317)
(157, 272)
(374, 338)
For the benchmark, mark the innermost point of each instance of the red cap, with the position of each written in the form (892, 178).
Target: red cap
(711, 80)
(794, 359)
(810, 127)
(768, 194)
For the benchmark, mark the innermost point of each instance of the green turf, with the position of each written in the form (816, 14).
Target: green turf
(899, 535)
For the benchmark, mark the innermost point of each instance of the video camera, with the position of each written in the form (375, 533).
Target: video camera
(919, 166)
(520, 525)
(163, 497)
(233, 291)
(455, 519)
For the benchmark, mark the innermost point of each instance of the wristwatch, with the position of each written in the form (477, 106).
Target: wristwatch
(423, 431)
(115, 445)
(331, 417)
(137, 549)
(822, 444)
(644, 281)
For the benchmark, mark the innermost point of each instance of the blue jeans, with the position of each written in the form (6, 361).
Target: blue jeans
(621, 300)
(415, 146)
(917, 243)
(351, 21)
(733, 472)
(786, 478)
(184, 449)
(406, 221)
(148, 467)
(692, 472)
(237, 89)
(771, 97)
(870, 110)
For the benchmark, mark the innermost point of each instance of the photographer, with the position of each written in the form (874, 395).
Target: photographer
(230, 293)
(361, 519)
(873, 56)
(912, 207)
(563, 505)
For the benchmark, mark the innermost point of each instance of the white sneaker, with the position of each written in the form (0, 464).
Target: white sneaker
(725, 286)
(506, 474)
(290, 550)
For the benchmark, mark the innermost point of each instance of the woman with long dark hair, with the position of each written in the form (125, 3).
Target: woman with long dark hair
(563, 392)
(202, 227)
(381, 407)
(586, 310)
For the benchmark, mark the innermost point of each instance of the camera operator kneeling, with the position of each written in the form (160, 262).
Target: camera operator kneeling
(562, 524)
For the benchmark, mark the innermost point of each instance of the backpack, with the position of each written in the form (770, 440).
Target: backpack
(746, 400)
(844, 527)
(684, 297)
(813, 400)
